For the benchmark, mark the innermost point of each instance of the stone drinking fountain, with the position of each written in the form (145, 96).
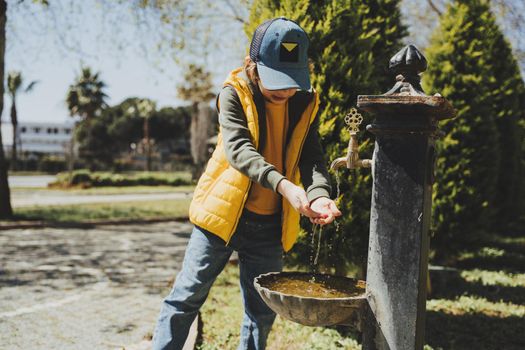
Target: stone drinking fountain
(390, 310)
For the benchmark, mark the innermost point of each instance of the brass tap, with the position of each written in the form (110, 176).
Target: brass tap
(352, 161)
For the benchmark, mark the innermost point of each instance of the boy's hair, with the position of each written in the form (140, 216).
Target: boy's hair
(250, 68)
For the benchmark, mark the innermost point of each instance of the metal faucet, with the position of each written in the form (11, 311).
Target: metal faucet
(352, 161)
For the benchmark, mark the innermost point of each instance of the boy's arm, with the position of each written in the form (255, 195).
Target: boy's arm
(314, 174)
(238, 146)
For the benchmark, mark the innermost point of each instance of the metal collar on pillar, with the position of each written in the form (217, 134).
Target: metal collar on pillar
(405, 127)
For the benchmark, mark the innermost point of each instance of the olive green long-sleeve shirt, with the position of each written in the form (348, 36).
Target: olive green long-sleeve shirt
(243, 156)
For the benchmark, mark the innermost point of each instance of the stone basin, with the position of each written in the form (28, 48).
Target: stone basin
(313, 311)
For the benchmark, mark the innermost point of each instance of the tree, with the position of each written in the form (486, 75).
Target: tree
(508, 106)
(110, 135)
(169, 124)
(97, 148)
(469, 155)
(102, 139)
(14, 87)
(86, 97)
(422, 17)
(6, 211)
(350, 44)
(197, 89)
(161, 32)
(194, 30)
(145, 109)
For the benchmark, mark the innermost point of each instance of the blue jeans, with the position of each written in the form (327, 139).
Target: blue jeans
(258, 243)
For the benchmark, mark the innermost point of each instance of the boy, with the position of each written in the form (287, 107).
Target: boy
(249, 198)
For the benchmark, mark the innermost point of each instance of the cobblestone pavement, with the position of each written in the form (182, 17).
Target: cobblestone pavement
(90, 289)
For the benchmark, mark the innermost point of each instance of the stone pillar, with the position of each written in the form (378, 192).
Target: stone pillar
(405, 126)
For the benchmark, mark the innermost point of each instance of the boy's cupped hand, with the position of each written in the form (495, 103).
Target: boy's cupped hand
(322, 210)
(327, 208)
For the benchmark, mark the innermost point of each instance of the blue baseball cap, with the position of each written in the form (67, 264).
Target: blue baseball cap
(280, 49)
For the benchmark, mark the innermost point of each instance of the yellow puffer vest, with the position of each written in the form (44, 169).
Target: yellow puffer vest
(221, 192)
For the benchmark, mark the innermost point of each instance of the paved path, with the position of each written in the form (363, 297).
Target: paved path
(30, 180)
(31, 198)
(81, 289)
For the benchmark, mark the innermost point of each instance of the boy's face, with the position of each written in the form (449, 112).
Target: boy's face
(277, 97)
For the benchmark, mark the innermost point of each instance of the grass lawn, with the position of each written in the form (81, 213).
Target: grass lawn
(106, 211)
(481, 307)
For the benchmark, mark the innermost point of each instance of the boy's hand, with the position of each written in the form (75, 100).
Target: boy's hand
(296, 196)
(327, 207)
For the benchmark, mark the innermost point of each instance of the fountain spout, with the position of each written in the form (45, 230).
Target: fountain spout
(352, 161)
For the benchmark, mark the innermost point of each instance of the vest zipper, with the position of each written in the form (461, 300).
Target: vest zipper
(314, 111)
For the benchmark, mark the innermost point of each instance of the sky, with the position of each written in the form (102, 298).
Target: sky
(51, 45)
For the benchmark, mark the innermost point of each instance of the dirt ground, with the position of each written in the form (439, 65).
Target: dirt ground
(97, 288)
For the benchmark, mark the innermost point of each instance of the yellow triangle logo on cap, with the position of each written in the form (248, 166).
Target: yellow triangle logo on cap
(290, 46)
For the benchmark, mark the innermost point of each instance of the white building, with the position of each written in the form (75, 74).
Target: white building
(39, 138)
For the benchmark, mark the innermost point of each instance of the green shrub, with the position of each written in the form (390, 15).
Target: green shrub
(80, 177)
(150, 180)
(85, 178)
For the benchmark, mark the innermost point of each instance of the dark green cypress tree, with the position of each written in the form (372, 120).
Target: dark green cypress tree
(350, 44)
(520, 224)
(468, 162)
(508, 105)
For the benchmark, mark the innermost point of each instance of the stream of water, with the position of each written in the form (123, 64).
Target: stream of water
(318, 246)
(318, 229)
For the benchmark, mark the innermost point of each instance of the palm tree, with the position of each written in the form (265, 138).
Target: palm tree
(14, 87)
(86, 97)
(145, 108)
(197, 89)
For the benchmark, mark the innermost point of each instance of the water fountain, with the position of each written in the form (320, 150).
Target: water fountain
(390, 312)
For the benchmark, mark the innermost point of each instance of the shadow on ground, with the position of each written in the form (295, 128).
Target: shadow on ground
(474, 331)
(465, 326)
(454, 286)
(69, 258)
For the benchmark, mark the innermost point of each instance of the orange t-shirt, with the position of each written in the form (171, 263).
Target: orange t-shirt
(262, 200)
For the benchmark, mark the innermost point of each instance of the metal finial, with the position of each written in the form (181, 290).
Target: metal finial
(407, 64)
(408, 61)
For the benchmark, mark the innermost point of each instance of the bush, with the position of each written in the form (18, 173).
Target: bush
(85, 178)
(80, 177)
